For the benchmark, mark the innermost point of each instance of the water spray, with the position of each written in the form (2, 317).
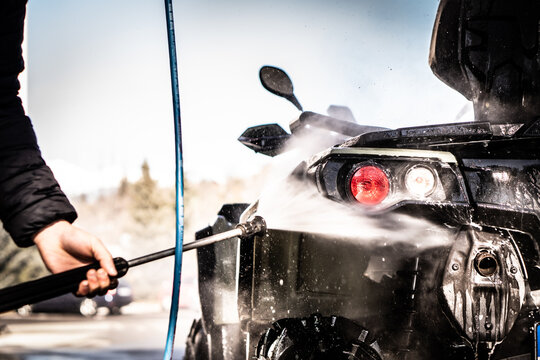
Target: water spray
(51, 286)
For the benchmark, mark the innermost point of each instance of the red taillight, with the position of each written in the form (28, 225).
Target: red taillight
(370, 185)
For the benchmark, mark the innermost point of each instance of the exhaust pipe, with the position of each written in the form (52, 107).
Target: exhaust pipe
(485, 263)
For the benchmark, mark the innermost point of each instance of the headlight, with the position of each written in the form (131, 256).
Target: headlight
(381, 178)
(420, 181)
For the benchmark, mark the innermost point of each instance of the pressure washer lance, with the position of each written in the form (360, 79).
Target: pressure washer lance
(51, 286)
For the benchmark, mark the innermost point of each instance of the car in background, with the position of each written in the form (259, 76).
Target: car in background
(113, 300)
(189, 294)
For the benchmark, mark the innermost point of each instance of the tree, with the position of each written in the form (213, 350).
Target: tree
(16, 264)
(145, 198)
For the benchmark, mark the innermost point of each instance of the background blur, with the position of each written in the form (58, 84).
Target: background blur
(98, 93)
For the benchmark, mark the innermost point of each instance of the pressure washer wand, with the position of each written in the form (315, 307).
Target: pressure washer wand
(51, 286)
(255, 226)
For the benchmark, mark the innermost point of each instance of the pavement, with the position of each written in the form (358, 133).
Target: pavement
(139, 333)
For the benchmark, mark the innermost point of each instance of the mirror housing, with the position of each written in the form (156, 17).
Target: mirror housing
(278, 82)
(269, 139)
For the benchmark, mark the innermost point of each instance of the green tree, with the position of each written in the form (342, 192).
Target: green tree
(16, 264)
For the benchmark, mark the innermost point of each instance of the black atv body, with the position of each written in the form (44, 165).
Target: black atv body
(472, 297)
(464, 285)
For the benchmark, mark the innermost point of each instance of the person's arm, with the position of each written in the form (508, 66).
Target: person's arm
(33, 208)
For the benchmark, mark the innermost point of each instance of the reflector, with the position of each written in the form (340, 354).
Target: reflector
(370, 185)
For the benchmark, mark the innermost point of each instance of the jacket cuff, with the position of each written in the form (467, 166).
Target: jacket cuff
(42, 214)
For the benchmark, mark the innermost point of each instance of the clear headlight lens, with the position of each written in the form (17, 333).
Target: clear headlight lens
(420, 181)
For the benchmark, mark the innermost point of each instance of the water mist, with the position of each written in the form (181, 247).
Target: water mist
(291, 205)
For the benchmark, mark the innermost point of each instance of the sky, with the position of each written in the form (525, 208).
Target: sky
(99, 88)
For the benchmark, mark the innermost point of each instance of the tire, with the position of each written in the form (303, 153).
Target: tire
(88, 307)
(317, 338)
(196, 343)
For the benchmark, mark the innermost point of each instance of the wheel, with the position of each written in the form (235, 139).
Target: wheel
(25, 310)
(196, 343)
(88, 307)
(317, 338)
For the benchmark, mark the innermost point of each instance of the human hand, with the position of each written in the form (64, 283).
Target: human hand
(63, 246)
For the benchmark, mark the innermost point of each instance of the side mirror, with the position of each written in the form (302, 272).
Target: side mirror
(267, 139)
(278, 82)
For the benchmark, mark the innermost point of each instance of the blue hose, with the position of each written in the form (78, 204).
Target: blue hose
(173, 315)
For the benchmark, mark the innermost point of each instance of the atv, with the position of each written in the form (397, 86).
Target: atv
(410, 243)
(461, 288)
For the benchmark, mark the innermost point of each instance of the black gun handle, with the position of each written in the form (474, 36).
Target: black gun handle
(51, 286)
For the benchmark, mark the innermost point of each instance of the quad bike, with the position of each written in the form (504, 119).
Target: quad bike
(463, 287)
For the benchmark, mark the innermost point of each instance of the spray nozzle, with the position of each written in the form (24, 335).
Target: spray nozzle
(254, 226)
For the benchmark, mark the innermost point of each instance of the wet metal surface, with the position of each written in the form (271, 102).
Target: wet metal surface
(484, 286)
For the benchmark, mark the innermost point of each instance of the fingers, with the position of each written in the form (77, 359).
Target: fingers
(97, 283)
(102, 255)
(84, 289)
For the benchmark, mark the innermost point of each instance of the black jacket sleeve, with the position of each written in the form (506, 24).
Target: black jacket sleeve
(30, 197)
